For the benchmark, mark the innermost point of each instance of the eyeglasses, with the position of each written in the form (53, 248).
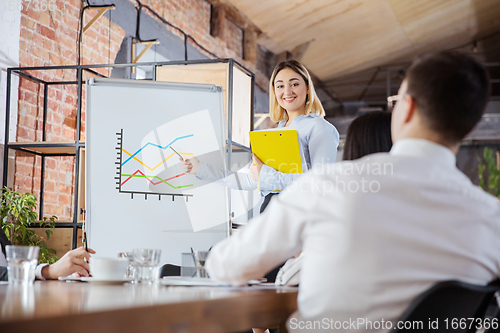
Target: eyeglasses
(391, 101)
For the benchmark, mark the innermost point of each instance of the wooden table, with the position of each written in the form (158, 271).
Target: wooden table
(55, 306)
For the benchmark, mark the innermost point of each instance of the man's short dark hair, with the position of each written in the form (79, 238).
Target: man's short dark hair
(451, 90)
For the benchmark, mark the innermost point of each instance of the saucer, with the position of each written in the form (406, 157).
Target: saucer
(92, 279)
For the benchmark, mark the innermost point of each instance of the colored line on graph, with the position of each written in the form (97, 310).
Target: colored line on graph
(135, 158)
(158, 146)
(135, 175)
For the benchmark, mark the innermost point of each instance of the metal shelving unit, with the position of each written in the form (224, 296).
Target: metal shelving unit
(73, 148)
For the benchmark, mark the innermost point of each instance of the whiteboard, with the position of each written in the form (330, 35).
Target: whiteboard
(137, 195)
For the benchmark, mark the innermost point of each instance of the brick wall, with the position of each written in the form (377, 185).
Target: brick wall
(234, 38)
(49, 38)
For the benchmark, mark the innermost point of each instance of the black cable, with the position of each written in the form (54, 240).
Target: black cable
(186, 36)
(79, 41)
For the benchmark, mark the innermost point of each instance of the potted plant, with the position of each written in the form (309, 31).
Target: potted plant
(17, 212)
(489, 172)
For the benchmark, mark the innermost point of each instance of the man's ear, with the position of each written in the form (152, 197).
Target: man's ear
(410, 109)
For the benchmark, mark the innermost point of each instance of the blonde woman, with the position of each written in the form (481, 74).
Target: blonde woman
(293, 103)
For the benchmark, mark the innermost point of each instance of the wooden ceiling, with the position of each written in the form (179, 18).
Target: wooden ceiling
(352, 36)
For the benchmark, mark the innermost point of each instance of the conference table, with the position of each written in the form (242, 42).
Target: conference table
(59, 306)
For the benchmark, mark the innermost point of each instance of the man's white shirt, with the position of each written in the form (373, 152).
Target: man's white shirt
(375, 232)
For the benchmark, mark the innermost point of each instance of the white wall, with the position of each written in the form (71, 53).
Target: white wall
(10, 31)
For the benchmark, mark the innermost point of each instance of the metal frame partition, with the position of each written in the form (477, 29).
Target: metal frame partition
(74, 148)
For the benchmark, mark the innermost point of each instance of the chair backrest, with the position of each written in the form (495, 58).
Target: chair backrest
(446, 307)
(170, 270)
(493, 326)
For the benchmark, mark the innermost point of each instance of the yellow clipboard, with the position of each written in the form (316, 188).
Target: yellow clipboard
(278, 148)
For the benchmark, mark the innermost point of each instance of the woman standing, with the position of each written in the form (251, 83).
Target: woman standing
(293, 103)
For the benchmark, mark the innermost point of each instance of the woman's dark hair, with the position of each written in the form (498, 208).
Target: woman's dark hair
(368, 134)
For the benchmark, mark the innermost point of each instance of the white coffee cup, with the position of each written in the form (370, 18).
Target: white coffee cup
(108, 268)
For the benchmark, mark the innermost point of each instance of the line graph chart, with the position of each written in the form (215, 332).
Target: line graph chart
(139, 174)
(155, 145)
(159, 164)
(147, 170)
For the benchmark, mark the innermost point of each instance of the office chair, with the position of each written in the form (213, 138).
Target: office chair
(494, 311)
(170, 270)
(448, 302)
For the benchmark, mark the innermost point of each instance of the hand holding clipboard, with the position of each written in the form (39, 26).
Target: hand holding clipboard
(277, 148)
(255, 167)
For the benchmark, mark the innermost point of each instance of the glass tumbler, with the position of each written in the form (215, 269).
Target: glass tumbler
(146, 262)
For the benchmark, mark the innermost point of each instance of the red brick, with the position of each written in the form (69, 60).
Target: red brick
(58, 118)
(44, 18)
(27, 34)
(33, 13)
(36, 52)
(52, 106)
(55, 59)
(30, 121)
(45, 54)
(54, 129)
(68, 133)
(69, 110)
(52, 175)
(90, 34)
(51, 198)
(22, 132)
(48, 44)
(29, 97)
(70, 100)
(28, 183)
(31, 110)
(65, 199)
(47, 32)
(49, 209)
(24, 170)
(60, 212)
(68, 42)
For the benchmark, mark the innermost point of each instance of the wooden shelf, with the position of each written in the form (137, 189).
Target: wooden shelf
(47, 148)
(239, 148)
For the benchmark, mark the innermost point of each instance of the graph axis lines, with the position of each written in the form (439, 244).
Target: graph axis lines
(119, 164)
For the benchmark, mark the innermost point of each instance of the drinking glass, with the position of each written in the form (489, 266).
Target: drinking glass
(21, 262)
(130, 268)
(200, 258)
(146, 262)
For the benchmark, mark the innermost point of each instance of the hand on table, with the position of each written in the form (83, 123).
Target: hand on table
(73, 262)
(255, 167)
(190, 165)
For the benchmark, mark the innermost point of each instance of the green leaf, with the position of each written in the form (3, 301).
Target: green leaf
(17, 211)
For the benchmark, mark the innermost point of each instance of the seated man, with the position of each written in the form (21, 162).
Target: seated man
(72, 262)
(378, 231)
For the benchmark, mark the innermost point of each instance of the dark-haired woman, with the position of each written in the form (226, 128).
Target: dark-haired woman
(368, 134)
